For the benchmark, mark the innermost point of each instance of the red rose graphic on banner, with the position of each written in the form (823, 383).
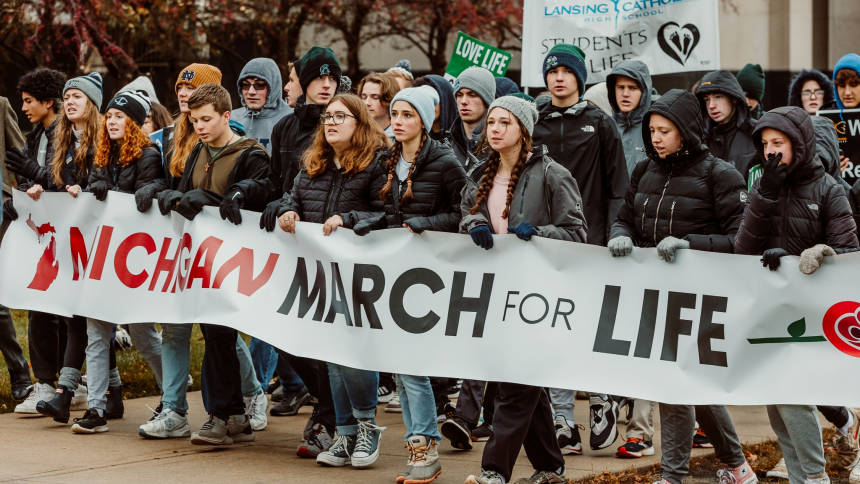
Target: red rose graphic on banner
(842, 327)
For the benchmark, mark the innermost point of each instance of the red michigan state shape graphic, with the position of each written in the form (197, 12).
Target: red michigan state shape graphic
(48, 267)
(842, 327)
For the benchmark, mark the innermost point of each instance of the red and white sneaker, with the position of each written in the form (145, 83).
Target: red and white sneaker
(635, 448)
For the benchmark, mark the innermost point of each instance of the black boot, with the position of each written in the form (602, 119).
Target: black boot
(21, 384)
(115, 408)
(58, 407)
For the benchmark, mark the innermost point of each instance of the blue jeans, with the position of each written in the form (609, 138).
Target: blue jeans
(419, 407)
(355, 396)
(176, 357)
(265, 360)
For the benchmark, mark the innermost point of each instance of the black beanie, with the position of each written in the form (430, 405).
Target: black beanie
(135, 104)
(318, 61)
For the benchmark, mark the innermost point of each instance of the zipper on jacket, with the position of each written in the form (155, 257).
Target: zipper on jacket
(333, 194)
(672, 216)
(644, 208)
(660, 202)
(523, 195)
(785, 219)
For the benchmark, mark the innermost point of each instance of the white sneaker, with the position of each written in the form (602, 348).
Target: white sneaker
(165, 425)
(393, 406)
(255, 407)
(79, 401)
(41, 392)
(779, 470)
(854, 477)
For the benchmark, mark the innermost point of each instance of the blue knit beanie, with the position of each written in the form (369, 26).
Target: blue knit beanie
(567, 55)
(424, 99)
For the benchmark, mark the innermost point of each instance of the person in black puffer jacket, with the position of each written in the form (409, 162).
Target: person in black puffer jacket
(728, 122)
(795, 209)
(812, 102)
(683, 197)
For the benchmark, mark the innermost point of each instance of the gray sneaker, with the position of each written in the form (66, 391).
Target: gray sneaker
(486, 477)
(366, 443)
(213, 432)
(543, 477)
(339, 454)
(317, 441)
(239, 428)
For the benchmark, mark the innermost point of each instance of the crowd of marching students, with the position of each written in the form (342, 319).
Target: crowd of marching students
(617, 165)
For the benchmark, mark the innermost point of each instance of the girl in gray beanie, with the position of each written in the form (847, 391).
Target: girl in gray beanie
(521, 191)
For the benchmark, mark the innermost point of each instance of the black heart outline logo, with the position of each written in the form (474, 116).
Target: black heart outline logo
(678, 42)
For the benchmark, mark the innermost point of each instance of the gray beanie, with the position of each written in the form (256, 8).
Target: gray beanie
(524, 110)
(91, 85)
(479, 80)
(424, 99)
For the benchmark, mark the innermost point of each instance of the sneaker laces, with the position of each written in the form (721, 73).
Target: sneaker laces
(408, 446)
(210, 424)
(156, 415)
(364, 440)
(251, 407)
(487, 475)
(726, 476)
(314, 436)
(541, 476)
(341, 444)
(419, 452)
(90, 412)
(32, 393)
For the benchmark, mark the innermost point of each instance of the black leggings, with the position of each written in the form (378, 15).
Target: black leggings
(838, 416)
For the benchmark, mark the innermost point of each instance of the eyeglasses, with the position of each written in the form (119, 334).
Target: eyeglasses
(258, 86)
(338, 118)
(817, 92)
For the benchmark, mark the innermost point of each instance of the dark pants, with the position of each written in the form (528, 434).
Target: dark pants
(222, 382)
(289, 379)
(523, 419)
(475, 394)
(9, 346)
(76, 343)
(315, 376)
(47, 335)
(838, 416)
(440, 390)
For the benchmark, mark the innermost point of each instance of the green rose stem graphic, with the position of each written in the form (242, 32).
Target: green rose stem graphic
(795, 330)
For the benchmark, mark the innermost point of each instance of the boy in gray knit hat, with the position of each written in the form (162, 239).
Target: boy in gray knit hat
(475, 90)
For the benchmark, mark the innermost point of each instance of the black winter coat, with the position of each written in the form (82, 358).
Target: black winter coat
(812, 207)
(333, 192)
(72, 175)
(129, 178)
(437, 183)
(250, 175)
(291, 136)
(690, 195)
(732, 140)
(585, 140)
(31, 150)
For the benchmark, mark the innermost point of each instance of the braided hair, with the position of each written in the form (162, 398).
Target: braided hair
(391, 165)
(493, 164)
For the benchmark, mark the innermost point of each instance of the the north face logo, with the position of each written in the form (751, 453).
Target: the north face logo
(324, 71)
(813, 206)
(187, 76)
(744, 197)
(588, 128)
(121, 101)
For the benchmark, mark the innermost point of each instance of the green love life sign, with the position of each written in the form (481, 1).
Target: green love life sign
(469, 51)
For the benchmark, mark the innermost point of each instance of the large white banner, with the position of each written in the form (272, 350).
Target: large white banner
(708, 328)
(667, 35)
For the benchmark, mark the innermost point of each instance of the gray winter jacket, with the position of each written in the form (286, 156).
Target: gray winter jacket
(546, 196)
(259, 124)
(827, 147)
(630, 124)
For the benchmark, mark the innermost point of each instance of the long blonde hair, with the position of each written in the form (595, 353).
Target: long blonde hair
(63, 138)
(184, 139)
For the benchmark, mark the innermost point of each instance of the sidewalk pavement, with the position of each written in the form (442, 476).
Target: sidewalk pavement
(39, 450)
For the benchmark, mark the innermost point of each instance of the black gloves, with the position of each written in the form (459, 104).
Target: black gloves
(99, 189)
(524, 231)
(18, 163)
(482, 237)
(770, 258)
(365, 226)
(143, 197)
(773, 177)
(9, 211)
(269, 217)
(230, 206)
(193, 202)
(418, 224)
(167, 200)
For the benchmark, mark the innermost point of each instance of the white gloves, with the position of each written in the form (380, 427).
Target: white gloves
(810, 259)
(667, 247)
(620, 246)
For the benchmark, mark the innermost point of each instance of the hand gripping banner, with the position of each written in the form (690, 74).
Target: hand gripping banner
(708, 328)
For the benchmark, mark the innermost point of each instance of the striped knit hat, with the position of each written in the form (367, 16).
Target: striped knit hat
(91, 85)
(198, 74)
(135, 104)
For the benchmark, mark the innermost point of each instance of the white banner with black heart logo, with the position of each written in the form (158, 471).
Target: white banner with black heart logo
(668, 35)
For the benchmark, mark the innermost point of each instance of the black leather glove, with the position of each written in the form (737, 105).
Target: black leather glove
(9, 211)
(167, 200)
(269, 217)
(773, 177)
(99, 189)
(20, 164)
(143, 197)
(365, 226)
(770, 258)
(230, 206)
(418, 224)
(192, 203)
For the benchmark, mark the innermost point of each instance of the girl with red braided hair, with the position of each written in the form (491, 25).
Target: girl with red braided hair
(520, 190)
